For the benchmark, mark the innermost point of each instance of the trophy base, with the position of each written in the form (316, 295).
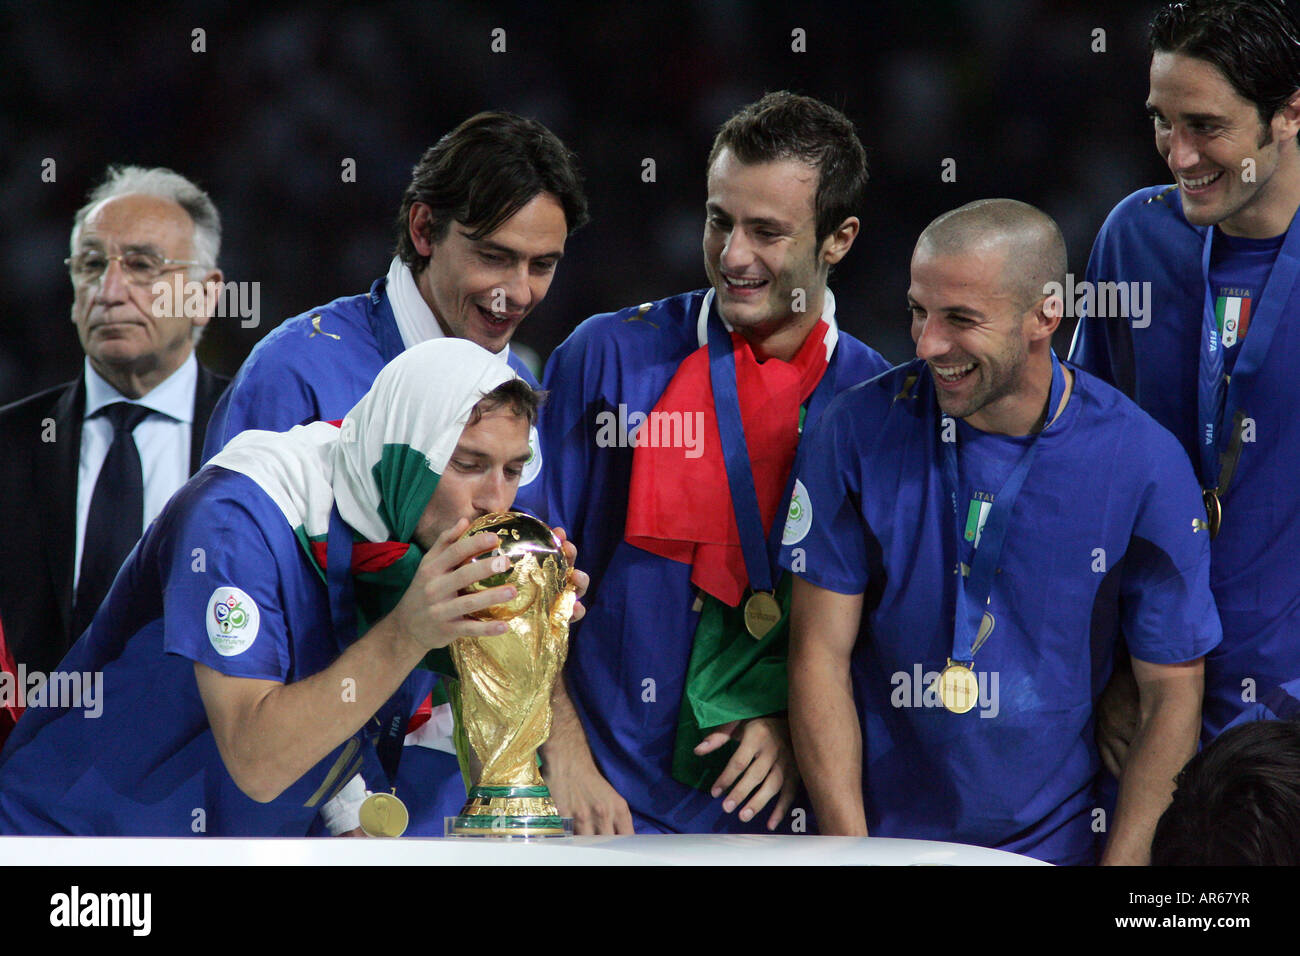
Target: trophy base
(509, 812)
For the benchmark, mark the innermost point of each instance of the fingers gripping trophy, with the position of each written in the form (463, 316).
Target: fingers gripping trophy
(506, 682)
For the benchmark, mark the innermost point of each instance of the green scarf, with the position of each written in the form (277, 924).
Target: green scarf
(731, 676)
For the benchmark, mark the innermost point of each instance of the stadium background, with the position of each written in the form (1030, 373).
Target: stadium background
(1010, 89)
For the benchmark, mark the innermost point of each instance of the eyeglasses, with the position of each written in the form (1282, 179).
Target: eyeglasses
(140, 268)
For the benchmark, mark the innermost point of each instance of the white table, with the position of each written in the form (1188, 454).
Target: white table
(674, 850)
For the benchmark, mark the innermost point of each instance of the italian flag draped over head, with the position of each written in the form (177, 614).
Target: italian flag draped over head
(380, 464)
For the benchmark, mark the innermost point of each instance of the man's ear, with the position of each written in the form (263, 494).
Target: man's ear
(836, 246)
(419, 223)
(1047, 317)
(1286, 121)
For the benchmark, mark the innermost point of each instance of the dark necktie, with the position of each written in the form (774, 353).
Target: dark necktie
(116, 514)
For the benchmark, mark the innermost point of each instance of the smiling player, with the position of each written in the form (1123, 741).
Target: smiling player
(480, 234)
(978, 518)
(1214, 364)
(677, 719)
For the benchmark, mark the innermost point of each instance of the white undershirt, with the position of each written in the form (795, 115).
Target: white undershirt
(162, 439)
(415, 320)
(828, 316)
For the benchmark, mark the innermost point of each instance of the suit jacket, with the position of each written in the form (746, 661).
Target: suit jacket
(38, 501)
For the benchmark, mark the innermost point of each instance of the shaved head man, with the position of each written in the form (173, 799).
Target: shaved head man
(975, 532)
(993, 259)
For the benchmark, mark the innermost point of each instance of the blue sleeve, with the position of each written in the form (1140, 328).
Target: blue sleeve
(1104, 345)
(269, 393)
(222, 601)
(824, 541)
(585, 487)
(566, 433)
(1167, 611)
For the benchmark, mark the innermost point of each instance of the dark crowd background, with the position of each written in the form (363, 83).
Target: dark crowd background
(284, 93)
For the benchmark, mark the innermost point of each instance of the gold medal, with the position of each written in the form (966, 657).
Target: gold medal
(383, 815)
(1213, 510)
(958, 687)
(762, 611)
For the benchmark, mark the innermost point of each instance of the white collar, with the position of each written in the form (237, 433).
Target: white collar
(828, 316)
(173, 396)
(416, 322)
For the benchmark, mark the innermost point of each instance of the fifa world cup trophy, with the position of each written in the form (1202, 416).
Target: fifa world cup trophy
(506, 682)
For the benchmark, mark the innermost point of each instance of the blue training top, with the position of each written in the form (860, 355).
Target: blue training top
(1254, 575)
(1101, 542)
(628, 658)
(219, 578)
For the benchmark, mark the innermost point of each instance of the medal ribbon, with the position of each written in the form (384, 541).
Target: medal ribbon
(1216, 399)
(343, 616)
(973, 592)
(760, 557)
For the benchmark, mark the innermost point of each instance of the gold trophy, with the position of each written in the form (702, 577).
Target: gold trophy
(506, 682)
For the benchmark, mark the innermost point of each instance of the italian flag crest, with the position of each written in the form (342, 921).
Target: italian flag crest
(1233, 315)
(976, 515)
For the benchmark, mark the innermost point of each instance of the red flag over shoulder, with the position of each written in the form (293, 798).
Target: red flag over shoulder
(679, 503)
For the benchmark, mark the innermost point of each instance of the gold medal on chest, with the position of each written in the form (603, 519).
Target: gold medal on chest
(762, 611)
(384, 815)
(958, 687)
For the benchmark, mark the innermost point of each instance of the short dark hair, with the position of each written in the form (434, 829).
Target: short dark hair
(482, 173)
(516, 395)
(784, 125)
(1237, 801)
(1255, 44)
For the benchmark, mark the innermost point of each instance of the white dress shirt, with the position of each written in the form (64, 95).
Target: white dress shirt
(162, 439)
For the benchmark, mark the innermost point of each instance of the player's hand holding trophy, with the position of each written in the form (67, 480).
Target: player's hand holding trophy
(506, 682)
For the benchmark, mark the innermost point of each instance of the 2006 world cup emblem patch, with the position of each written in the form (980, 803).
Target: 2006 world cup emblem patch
(233, 621)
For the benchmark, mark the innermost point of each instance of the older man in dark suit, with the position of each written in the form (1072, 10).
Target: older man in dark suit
(85, 466)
